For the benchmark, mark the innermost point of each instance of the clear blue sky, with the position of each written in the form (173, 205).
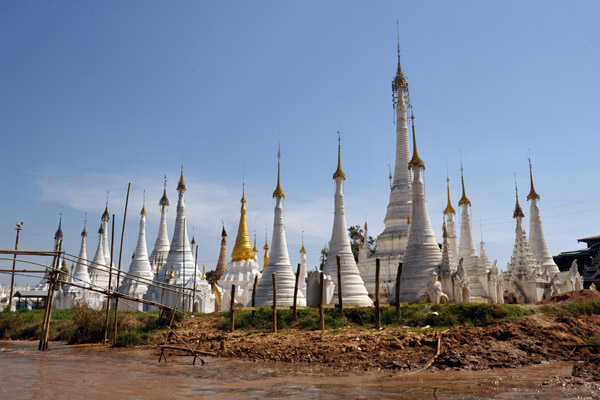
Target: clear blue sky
(94, 95)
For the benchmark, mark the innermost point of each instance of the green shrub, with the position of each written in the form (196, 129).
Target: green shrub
(129, 338)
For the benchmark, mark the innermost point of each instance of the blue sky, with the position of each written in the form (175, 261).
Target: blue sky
(94, 95)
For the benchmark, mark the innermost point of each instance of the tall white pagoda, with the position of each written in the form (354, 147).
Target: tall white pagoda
(423, 256)
(466, 249)
(279, 259)
(537, 237)
(159, 254)
(180, 260)
(139, 268)
(81, 274)
(391, 243)
(450, 213)
(103, 274)
(353, 288)
(99, 263)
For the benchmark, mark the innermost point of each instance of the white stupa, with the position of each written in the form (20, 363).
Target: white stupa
(242, 268)
(466, 249)
(423, 256)
(180, 260)
(139, 268)
(450, 213)
(353, 288)
(537, 237)
(523, 278)
(81, 274)
(99, 264)
(303, 274)
(159, 254)
(279, 259)
(103, 275)
(391, 243)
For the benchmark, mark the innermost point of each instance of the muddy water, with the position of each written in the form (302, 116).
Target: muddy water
(94, 372)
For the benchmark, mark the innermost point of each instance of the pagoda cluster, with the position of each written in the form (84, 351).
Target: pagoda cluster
(407, 252)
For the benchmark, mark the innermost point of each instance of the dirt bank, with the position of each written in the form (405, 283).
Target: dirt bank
(544, 336)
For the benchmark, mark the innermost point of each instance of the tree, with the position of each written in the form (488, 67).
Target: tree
(356, 235)
(324, 253)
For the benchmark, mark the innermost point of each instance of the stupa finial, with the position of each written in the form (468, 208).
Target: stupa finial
(278, 190)
(532, 193)
(338, 172)
(464, 199)
(181, 184)
(416, 160)
(164, 200)
(449, 209)
(518, 213)
(143, 212)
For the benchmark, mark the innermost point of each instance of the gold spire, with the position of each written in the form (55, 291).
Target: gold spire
(464, 199)
(242, 251)
(278, 190)
(181, 183)
(164, 200)
(532, 194)
(143, 212)
(105, 214)
(338, 172)
(266, 256)
(444, 231)
(84, 233)
(449, 209)
(518, 211)
(255, 249)
(203, 272)
(302, 249)
(416, 160)
(172, 274)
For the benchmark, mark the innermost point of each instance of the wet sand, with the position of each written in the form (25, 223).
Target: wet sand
(97, 372)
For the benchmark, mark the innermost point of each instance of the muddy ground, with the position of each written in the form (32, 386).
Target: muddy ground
(538, 338)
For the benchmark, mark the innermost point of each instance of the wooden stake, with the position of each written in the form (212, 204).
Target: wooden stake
(321, 314)
(254, 286)
(119, 270)
(231, 310)
(295, 306)
(340, 293)
(377, 311)
(398, 275)
(274, 303)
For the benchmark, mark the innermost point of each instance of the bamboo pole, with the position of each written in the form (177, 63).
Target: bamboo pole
(112, 245)
(12, 277)
(119, 270)
(254, 294)
(295, 306)
(321, 311)
(398, 276)
(231, 310)
(274, 277)
(194, 309)
(340, 293)
(43, 345)
(377, 311)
